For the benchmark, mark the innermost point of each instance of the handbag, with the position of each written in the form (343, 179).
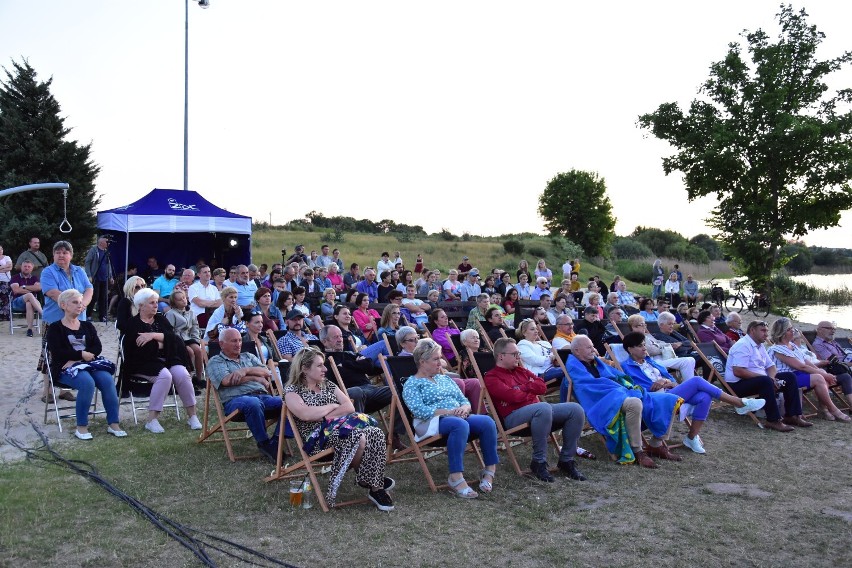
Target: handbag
(99, 363)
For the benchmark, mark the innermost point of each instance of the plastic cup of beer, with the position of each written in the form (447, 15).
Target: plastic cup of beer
(295, 493)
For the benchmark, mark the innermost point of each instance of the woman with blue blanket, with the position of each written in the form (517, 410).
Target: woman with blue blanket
(616, 407)
(696, 392)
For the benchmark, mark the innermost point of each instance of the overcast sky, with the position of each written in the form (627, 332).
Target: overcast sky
(441, 114)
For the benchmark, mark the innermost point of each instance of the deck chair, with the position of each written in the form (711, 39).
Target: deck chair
(391, 343)
(520, 434)
(689, 331)
(622, 328)
(304, 466)
(714, 359)
(63, 411)
(397, 370)
(548, 331)
(136, 390)
(226, 425)
(331, 363)
(652, 327)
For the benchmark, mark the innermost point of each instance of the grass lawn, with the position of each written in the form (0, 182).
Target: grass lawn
(787, 502)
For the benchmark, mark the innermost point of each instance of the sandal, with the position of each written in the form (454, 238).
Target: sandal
(466, 493)
(842, 417)
(484, 485)
(584, 453)
(826, 415)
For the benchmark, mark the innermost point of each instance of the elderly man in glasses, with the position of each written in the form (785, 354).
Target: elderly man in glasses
(515, 392)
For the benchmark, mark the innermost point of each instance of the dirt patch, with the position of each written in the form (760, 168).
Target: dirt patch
(728, 489)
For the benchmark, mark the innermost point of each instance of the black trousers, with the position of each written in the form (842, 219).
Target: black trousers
(764, 387)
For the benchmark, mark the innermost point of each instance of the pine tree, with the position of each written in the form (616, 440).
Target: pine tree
(34, 149)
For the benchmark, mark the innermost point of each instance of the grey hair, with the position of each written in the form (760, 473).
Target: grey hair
(402, 333)
(143, 296)
(424, 350)
(467, 334)
(732, 316)
(666, 317)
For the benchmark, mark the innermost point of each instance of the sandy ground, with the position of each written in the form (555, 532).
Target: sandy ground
(21, 389)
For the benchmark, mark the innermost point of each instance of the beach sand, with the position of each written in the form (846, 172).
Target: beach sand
(21, 407)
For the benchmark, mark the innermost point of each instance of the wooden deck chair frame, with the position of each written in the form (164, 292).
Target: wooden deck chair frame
(305, 465)
(511, 436)
(338, 379)
(615, 363)
(61, 411)
(720, 375)
(417, 450)
(223, 422)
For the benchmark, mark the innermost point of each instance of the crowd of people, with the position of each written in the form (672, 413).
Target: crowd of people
(324, 313)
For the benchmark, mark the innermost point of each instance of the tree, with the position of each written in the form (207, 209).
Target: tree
(574, 204)
(767, 141)
(34, 149)
(709, 244)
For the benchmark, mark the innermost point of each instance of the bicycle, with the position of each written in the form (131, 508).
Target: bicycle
(758, 304)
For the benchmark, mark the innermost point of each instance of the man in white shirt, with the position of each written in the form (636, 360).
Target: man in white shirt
(203, 294)
(749, 370)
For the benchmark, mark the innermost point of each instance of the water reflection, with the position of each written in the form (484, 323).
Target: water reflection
(815, 313)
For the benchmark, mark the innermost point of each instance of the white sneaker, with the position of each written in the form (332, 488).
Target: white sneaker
(154, 427)
(694, 444)
(194, 422)
(751, 405)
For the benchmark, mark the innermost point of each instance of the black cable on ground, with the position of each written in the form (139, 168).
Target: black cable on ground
(195, 540)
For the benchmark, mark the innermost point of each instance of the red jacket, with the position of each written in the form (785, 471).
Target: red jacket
(511, 390)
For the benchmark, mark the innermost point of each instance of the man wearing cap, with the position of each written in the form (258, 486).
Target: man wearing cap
(470, 289)
(295, 339)
(298, 256)
(464, 267)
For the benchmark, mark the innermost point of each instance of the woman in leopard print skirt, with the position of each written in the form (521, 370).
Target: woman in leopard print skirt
(325, 417)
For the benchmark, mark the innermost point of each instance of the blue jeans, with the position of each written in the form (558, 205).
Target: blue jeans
(372, 351)
(458, 430)
(255, 408)
(85, 382)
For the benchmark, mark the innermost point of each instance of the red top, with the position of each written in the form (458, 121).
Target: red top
(511, 390)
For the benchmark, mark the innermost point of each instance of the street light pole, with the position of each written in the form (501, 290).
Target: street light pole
(203, 4)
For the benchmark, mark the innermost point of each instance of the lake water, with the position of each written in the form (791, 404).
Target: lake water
(815, 313)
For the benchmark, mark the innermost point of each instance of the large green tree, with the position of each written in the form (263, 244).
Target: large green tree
(574, 204)
(34, 149)
(768, 140)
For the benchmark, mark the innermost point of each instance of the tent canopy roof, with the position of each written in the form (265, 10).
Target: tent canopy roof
(173, 211)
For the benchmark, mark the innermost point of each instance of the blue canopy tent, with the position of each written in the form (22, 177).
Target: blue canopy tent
(177, 227)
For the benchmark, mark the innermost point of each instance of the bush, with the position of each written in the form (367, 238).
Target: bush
(513, 247)
(335, 236)
(466, 236)
(537, 251)
(405, 237)
(633, 270)
(624, 248)
(446, 235)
